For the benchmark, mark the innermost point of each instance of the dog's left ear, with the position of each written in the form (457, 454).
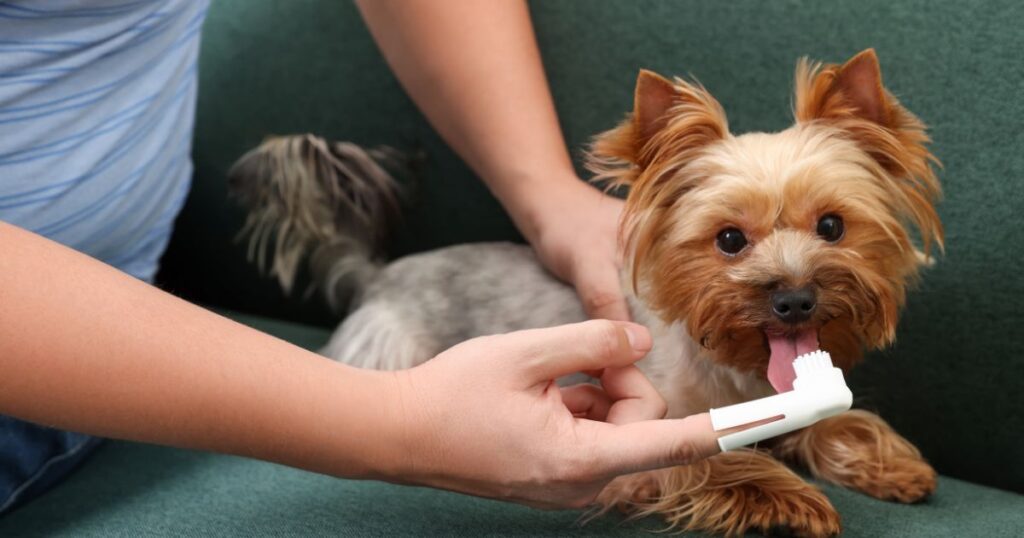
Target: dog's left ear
(851, 97)
(851, 90)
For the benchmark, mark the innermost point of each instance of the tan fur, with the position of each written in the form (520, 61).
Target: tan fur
(854, 152)
(727, 494)
(860, 451)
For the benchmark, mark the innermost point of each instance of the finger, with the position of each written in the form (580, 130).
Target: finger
(586, 401)
(633, 396)
(652, 444)
(600, 291)
(567, 349)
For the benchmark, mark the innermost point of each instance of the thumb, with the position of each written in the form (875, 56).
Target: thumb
(652, 444)
(591, 345)
(600, 291)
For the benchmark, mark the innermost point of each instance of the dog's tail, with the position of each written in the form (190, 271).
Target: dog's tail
(332, 202)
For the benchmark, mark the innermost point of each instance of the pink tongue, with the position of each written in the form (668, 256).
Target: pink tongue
(784, 350)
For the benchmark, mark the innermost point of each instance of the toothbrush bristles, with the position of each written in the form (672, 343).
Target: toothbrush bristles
(813, 361)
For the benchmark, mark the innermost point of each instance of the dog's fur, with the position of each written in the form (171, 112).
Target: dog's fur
(854, 152)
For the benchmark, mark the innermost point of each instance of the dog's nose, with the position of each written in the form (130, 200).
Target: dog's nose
(793, 306)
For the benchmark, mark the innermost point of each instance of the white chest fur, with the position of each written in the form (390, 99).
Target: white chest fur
(689, 380)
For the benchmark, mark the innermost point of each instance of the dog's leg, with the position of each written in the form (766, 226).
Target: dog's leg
(861, 451)
(728, 494)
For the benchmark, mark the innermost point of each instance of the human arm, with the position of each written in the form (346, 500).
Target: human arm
(87, 348)
(473, 68)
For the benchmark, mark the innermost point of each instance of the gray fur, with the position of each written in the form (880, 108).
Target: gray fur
(422, 304)
(331, 201)
(335, 203)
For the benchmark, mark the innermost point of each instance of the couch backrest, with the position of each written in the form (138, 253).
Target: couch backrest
(953, 382)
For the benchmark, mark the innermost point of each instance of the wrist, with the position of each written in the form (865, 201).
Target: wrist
(350, 424)
(392, 455)
(535, 202)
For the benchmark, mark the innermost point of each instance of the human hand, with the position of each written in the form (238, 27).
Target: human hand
(573, 227)
(486, 417)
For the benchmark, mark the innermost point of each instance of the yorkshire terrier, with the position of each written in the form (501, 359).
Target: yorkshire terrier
(742, 253)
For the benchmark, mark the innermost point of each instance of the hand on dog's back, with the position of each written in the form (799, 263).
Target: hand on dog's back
(486, 417)
(575, 236)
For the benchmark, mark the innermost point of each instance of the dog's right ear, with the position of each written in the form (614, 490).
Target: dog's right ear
(670, 120)
(653, 98)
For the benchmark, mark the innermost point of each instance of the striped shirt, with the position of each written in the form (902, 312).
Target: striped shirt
(97, 102)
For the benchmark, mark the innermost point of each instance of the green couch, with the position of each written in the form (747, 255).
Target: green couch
(952, 384)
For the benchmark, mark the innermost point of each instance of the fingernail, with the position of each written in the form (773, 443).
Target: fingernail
(639, 338)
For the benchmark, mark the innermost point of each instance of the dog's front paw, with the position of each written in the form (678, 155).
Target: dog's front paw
(905, 480)
(808, 514)
(728, 494)
(859, 450)
(790, 511)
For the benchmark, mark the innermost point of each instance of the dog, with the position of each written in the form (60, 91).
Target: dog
(742, 252)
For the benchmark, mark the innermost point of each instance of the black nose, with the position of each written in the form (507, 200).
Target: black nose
(793, 306)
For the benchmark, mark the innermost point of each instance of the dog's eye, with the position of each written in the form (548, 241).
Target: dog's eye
(830, 228)
(731, 241)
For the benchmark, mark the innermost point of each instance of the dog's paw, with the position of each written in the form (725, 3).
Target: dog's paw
(859, 450)
(729, 494)
(802, 512)
(905, 480)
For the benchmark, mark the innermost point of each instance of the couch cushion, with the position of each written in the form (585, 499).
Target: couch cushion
(130, 489)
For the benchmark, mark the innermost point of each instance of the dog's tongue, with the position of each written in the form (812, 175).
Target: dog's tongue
(786, 348)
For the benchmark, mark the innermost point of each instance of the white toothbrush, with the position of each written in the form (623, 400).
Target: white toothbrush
(819, 391)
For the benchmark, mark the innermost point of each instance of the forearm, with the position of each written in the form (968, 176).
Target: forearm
(473, 68)
(87, 348)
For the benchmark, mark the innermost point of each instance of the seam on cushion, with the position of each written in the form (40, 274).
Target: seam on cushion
(42, 471)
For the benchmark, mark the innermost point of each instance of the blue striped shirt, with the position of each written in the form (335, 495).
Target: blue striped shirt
(97, 102)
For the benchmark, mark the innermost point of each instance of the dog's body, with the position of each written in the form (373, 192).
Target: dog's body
(422, 304)
(744, 251)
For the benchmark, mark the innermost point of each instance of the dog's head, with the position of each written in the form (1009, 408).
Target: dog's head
(764, 245)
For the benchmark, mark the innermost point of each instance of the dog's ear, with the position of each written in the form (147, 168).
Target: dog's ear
(853, 89)
(653, 98)
(670, 120)
(851, 97)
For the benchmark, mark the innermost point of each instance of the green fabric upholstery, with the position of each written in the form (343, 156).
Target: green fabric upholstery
(129, 490)
(952, 383)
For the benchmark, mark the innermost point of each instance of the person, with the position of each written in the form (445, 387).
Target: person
(96, 107)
